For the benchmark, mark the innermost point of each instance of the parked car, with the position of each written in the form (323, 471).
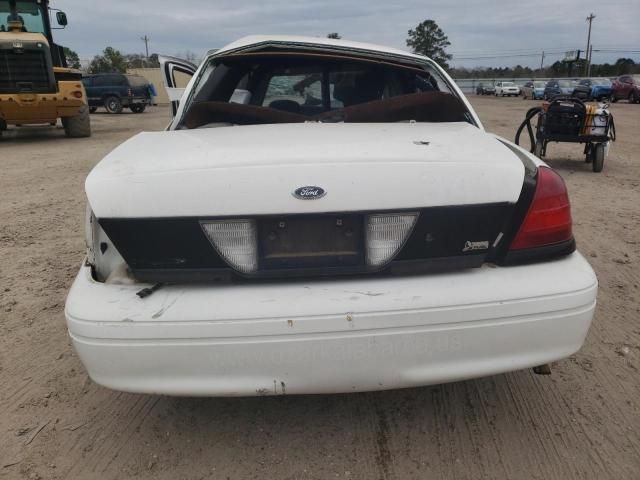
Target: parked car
(551, 89)
(115, 91)
(506, 89)
(626, 87)
(533, 90)
(593, 89)
(483, 89)
(335, 222)
(558, 87)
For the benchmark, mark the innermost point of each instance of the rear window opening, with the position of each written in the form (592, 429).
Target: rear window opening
(263, 88)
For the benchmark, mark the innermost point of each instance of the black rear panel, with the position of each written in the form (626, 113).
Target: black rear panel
(25, 71)
(311, 241)
(164, 243)
(177, 249)
(455, 231)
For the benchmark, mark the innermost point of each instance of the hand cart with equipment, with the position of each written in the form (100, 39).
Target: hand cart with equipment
(567, 119)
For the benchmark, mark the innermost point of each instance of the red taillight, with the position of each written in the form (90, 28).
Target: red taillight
(77, 94)
(548, 220)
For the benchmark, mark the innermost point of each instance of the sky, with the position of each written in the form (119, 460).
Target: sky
(482, 33)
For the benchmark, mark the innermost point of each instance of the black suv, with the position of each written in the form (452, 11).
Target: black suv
(488, 90)
(114, 91)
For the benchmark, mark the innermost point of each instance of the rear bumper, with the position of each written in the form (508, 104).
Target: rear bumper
(330, 336)
(128, 101)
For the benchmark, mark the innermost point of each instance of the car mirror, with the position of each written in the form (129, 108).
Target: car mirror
(61, 18)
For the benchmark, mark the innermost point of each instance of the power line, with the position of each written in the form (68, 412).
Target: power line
(537, 54)
(606, 50)
(472, 54)
(517, 55)
(515, 52)
(538, 48)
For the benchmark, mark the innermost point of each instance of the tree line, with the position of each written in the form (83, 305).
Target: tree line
(427, 38)
(622, 66)
(114, 61)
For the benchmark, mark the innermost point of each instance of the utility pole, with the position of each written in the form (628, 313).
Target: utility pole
(146, 39)
(542, 60)
(587, 57)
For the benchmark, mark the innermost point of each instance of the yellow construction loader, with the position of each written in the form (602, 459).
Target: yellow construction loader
(36, 86)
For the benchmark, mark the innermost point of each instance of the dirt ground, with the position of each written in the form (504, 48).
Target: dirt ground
(581, 422)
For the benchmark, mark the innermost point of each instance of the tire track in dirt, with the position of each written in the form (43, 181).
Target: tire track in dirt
(474, 411)
(543, 428)
(369, 460)
(383, 453)
(104, 435)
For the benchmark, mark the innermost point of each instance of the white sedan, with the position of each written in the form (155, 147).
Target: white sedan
(507, 89)
(322, 216)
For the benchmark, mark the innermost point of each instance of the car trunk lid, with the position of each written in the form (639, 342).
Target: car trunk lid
(254, 170)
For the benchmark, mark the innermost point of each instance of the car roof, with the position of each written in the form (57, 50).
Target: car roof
(365, 50)
(298, 40)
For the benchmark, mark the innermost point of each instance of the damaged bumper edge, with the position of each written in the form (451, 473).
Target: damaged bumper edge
(334, 336)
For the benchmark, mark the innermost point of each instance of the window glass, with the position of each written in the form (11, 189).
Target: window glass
(351, 86)
(205, 77)
(310, 86)
(100, 81)
(294, 86)
(109, 81)
(29, 12)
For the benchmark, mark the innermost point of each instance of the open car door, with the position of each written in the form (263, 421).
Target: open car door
(176, 74)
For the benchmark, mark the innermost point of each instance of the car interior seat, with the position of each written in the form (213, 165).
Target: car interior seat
(240, 96)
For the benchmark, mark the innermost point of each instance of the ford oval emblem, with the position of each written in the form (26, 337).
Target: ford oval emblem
(309, 193)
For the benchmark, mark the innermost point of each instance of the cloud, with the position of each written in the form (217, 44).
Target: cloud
(475, 28)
